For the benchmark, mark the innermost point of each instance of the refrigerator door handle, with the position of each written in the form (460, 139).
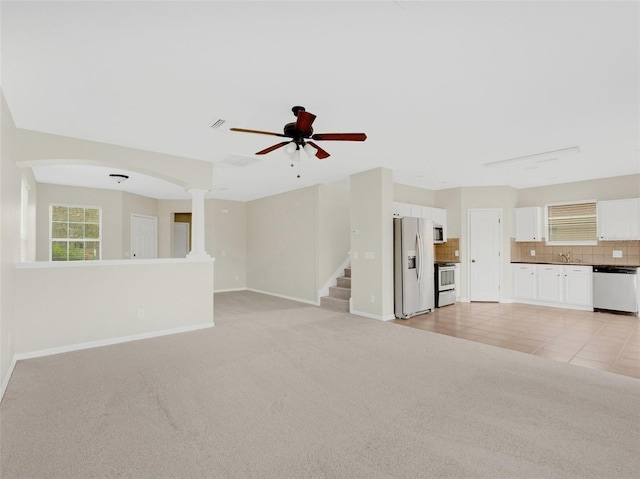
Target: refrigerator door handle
(419, 250)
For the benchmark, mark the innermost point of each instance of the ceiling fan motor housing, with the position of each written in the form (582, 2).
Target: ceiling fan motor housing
(291, 131)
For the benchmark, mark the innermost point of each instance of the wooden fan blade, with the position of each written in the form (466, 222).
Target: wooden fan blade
(340, 136)
(304, 122)
(320, 154)
(244, 130)
(274, 147)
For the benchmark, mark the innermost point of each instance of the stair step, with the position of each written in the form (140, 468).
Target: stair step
(338, 292)
(347, 272)
(334, 304)
(344, 282)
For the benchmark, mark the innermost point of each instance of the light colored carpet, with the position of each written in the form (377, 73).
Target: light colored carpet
(285, 390)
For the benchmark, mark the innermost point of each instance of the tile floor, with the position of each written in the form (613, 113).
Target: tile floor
(598, 340)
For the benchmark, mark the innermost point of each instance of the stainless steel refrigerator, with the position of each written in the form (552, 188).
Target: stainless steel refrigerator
(413, 266)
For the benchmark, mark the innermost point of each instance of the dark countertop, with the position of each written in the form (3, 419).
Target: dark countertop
(577, 264)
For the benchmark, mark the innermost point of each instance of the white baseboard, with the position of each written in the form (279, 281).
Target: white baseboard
(314, 303)
(5, 382)
(109, 342)
(373, 316)
(230, 290)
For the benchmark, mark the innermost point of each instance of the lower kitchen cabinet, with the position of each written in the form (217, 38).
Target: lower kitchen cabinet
(578, 285)
(550, 283)
(524, 281)
(568, 286)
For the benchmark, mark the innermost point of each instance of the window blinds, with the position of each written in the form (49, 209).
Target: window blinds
(574, 222)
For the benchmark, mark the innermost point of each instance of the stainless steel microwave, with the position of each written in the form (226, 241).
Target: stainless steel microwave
(438, 234)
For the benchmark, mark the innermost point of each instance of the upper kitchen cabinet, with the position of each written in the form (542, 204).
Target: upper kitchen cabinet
(528, 224)
(619, 219)
(401, 210)
(437, 215)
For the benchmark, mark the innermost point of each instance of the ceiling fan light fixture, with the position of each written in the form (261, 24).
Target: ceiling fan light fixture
(291, 148)
(309, 150)
(118, 178)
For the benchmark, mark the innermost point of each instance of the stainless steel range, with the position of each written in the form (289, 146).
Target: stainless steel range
(445, 284)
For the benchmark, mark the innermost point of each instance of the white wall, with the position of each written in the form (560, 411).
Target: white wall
(281, 244)
(413, 195)
(226, 240)
(618, 187)
(334, 230)
(62, 306)
(10, 181)
(372, 244)
(225, 225)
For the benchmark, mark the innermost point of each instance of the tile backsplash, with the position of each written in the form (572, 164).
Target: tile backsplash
(446, 252)
(602, 253)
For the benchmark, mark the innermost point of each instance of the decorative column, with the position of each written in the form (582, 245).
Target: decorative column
(197, 224)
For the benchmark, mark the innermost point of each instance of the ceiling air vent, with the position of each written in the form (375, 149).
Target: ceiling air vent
(217, 124)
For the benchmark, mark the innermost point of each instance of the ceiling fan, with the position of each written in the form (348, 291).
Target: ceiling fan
(301, 133)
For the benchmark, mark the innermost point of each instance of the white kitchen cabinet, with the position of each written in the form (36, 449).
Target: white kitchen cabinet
(401, 210)
(550, 283)
(619, 220)
(525, 281)
(437, 215)
(578, 289)
(417, 211)
(528, 223)
(568, 286)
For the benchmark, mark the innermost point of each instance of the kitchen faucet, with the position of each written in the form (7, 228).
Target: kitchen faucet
(566, 256)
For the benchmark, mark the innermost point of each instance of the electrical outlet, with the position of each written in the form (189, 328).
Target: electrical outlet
(617, 253)
(456, 253)
(141, 313)
(373, 298)
(533, 252)
(369, 255)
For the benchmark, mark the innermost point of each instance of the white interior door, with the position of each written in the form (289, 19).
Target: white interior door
(144, 237)
(484, 239)
(180, 240)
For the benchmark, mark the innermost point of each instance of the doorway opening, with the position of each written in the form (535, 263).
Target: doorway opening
(181, 234)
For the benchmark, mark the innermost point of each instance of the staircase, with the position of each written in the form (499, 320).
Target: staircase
(339, 295)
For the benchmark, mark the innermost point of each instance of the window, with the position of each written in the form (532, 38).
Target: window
(75, 233)
(572, 223)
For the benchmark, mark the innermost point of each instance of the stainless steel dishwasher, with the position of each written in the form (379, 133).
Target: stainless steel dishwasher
(615, 288)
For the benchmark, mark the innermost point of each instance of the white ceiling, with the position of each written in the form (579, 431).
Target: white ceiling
(440, 88)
